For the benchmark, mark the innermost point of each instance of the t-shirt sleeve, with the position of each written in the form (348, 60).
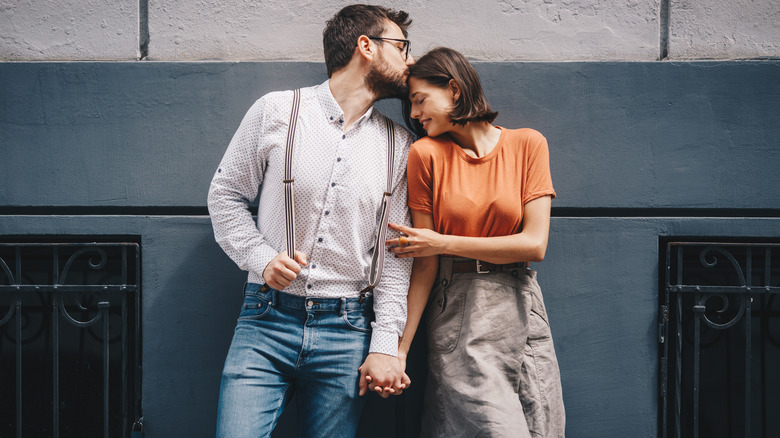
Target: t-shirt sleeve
(538, 181)
(420, 180)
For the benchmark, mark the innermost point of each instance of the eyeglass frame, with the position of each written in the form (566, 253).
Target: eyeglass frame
(407, 43)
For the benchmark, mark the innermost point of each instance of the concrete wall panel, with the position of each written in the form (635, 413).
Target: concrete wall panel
(68, 30)
(724, 29)
(637, 135)
(494, 30)
(600, 284)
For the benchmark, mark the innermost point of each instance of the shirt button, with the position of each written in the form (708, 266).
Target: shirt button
(344, 136)
(331, 117)
(338, 159)
(327, 212)
(333, 184)
(314, 266)
(319, 240)
(308, 286)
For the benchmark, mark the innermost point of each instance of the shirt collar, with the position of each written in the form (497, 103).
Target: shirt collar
(332, 110)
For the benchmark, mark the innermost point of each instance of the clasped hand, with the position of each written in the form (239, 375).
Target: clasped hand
(384, 375)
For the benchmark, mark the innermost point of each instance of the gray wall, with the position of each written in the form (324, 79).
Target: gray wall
(639, 151)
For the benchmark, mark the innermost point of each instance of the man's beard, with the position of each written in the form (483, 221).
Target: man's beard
(386, 84)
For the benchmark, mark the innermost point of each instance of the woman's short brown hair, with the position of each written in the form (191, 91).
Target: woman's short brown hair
(443, 64)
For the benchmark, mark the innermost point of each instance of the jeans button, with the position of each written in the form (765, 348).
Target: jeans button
(310, 303)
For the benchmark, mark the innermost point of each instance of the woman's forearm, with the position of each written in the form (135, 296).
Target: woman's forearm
(504, 249)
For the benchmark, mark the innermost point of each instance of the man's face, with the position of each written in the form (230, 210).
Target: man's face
(388, 74)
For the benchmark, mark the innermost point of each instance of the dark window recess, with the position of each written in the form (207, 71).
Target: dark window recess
(719, 333)
(70, 338)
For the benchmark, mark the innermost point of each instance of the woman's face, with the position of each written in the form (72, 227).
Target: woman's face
(431, 106)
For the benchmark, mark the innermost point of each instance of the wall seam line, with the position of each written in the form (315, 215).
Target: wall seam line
(143, 30)
(663, 25)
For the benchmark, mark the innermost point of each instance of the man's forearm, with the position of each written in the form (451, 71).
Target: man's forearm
(423, 275)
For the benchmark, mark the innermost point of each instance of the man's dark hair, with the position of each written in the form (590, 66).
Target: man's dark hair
(443, 64)
(339, 38)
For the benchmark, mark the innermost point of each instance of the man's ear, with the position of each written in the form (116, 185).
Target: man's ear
(454, 89)
(365, 48)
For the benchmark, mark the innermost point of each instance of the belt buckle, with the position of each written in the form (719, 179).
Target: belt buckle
(479, 268)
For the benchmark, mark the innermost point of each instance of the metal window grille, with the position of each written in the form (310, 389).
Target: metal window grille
(70, 339)
(720, 339)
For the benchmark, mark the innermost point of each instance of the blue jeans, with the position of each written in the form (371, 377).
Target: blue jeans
(285, 344)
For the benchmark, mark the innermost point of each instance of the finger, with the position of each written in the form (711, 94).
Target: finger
(283, 275)
(406, 381)
(362, 384)
(291, 265)
(300, 257)
(276, 281)
(399, 228)
(279, 285)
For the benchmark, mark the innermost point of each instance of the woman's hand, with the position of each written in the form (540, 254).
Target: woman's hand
(415, 242)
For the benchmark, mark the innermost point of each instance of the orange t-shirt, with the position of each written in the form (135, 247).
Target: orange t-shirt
(479, 197)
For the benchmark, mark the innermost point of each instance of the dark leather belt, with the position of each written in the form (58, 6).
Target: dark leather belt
(461, 265)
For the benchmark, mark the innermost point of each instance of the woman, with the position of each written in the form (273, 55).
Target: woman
(480, 198)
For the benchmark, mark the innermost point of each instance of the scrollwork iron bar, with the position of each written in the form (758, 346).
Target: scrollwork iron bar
(55, 329)
(59, 289)
(748, 335)
(678, 376)
(701, 294)
(765, 305)
(18, 344)
(664, 334)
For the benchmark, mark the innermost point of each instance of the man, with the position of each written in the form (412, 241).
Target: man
(303, 327)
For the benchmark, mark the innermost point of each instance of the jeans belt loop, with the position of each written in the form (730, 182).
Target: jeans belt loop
(342, 306)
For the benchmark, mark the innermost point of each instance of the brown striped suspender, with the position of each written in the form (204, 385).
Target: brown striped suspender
(378, 255)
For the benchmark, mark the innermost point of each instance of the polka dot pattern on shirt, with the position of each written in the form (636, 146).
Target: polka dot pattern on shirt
(340, 176)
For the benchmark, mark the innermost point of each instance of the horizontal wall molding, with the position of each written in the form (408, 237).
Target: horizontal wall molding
(561, 212)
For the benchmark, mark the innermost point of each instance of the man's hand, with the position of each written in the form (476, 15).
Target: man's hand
(282, 270)
(382, 374)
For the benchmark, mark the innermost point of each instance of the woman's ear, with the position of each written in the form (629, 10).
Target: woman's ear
(454, 89)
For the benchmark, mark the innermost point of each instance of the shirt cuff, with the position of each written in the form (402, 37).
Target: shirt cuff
(259, 259)
(384, 342)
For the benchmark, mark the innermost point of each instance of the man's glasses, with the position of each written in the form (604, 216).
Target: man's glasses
(404, 48)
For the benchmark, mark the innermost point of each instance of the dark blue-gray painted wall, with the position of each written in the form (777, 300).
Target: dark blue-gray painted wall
(639, 151)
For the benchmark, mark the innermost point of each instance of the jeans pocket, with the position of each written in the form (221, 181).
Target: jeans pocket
(255, 307)
(358, 320)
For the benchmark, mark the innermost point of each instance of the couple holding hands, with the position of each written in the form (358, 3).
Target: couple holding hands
(469, 207)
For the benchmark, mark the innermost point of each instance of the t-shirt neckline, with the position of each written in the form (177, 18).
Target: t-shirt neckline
(485, 158)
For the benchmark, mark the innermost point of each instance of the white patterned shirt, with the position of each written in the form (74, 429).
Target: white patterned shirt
(340, 177)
